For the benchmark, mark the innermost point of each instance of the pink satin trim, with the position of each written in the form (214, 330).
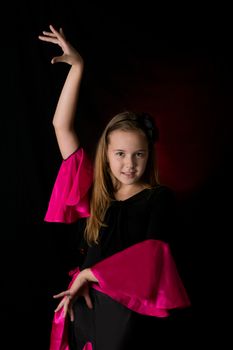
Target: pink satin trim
(144, 278)
(58, 336)
(69, 199)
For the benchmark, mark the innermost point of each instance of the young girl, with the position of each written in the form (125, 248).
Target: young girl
(128, 281)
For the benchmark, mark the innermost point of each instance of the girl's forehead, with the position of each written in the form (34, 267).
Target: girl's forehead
(126, 134)
(127, 139)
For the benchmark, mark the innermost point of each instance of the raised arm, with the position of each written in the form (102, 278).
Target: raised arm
(63, 120)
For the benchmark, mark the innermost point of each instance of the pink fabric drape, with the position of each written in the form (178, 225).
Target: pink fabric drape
(143, 277)
(58, 336)
(69, 200)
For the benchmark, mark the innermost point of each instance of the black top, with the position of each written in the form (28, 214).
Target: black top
(147, 214)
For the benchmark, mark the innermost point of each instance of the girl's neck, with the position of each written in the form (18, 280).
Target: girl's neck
(126, 192)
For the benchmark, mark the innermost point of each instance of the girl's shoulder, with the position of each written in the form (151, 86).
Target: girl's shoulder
(158, 189)
(161, 192)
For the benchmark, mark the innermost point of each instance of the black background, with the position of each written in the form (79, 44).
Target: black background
(173, 62)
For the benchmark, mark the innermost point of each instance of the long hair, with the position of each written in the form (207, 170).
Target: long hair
(103, 187)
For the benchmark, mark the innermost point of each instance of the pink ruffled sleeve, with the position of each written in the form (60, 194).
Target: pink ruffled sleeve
(69, 200)
(144, 278)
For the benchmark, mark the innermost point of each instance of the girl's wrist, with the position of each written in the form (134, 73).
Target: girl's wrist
(88, 275)
(78, 65)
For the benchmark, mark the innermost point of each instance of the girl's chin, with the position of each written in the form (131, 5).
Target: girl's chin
(127, 180)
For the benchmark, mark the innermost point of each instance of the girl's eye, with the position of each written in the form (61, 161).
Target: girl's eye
(120, 154)
(139, 154)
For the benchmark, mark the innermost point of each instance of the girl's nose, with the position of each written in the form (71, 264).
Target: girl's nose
(129, 162)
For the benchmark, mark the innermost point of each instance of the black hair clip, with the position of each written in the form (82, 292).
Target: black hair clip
(149, 126)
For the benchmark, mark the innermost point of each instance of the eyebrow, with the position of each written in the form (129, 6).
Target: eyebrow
(122, 150)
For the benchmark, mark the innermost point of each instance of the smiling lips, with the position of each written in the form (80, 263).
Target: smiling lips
(132, 174)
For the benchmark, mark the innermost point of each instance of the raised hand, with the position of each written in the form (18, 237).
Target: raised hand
(70, 54)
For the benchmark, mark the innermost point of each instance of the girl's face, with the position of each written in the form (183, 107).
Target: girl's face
(127, 155)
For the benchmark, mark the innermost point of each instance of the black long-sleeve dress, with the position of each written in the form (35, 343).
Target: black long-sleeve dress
(138, 279)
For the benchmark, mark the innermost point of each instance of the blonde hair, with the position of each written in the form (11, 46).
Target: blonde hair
(103, 188)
